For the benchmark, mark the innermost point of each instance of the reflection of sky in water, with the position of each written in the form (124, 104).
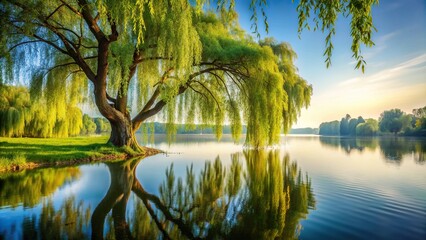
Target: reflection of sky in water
(358, 195)
(94, 182)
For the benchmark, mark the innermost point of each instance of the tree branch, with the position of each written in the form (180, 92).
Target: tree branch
(114, 33)
(91, 22)
(202, 94)
(72, 9)
(111, 99)
(50, 15)
(142, 116)
(155, 218)
(22, 43)
(142, 194)
(211, 94)
(121, 103)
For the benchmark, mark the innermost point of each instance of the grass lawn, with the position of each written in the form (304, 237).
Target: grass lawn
(18, 153)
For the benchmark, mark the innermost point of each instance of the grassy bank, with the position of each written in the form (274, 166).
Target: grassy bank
(24, 153)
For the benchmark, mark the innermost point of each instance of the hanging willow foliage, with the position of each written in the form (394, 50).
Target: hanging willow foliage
(19, 116)
(14, 110)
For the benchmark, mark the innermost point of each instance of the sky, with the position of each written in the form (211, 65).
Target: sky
(395, 75)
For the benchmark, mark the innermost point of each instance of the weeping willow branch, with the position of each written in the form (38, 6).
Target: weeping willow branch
(21, 31)
(73, 72)
(200, 93)
(220, 80)
(211, 94)
(70, 47)
(23, 43)
(66, 64)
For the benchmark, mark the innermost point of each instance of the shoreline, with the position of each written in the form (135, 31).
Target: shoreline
(18, 154)
(15, 168)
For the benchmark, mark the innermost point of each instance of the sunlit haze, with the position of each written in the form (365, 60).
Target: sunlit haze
(395, 75)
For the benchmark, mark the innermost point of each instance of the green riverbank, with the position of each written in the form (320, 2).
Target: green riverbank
(26, 153)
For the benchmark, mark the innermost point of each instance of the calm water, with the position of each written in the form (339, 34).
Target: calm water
(308, 187)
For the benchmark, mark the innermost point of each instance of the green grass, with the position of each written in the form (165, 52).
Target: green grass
(20, 151)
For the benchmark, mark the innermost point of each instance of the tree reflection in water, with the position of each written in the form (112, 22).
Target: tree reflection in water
(28, 187)
(265, 200)
(69, 222)
(393, 149)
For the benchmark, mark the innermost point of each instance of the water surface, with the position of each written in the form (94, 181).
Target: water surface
(307, 187)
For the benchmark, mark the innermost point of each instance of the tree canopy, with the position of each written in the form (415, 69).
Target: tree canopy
(391, 120)
(137, 58)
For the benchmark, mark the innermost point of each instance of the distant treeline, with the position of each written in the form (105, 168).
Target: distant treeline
(304, 131)
(392, 121)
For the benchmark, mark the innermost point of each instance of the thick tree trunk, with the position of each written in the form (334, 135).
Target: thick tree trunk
(122, 134)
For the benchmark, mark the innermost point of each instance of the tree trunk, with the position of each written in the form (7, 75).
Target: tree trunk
(122, 178)
(122, 134)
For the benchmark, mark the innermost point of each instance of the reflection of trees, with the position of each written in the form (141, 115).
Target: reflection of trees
(69, 222)
(29, 187)
(419, 152)
(217, 204)
(66, 223)
(393, 149)
(276, 198)
(350, 144)
(267, 200)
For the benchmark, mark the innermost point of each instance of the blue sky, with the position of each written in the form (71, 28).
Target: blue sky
(395, 75)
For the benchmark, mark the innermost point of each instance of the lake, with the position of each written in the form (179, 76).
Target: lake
(307, 187)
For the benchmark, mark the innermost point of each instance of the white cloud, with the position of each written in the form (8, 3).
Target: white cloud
(387, 75)
(381, 44)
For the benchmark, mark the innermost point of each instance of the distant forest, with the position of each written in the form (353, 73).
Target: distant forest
(394, 121)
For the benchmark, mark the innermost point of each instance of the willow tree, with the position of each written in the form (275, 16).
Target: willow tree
(178, 59)
(21, 117)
